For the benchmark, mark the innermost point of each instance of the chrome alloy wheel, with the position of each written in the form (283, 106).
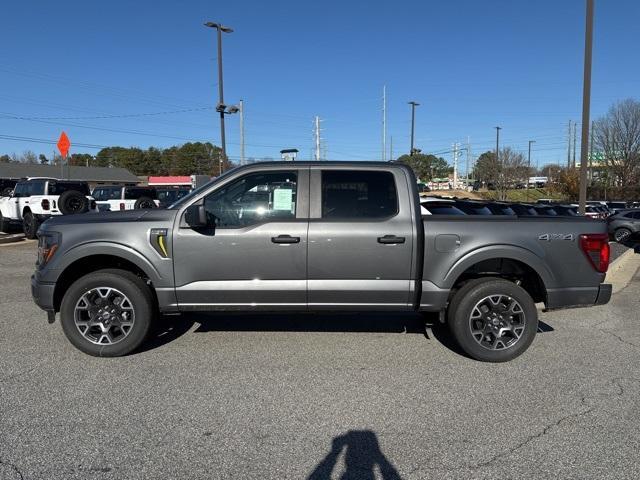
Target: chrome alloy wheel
(497, 322)
(104, 315)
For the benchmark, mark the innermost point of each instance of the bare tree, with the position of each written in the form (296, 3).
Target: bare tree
(512, 169)
(29, 157)
(617, 137)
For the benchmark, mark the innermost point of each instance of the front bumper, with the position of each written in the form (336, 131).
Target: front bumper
(42, 293)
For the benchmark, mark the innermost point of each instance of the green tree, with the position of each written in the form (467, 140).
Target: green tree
(43, 159)
(5, 158)
(486, 168)
(426, 166)
(80, 159)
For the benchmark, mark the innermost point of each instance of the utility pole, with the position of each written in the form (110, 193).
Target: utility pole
(498, 144)
(384, 122)
(468, 159)
(569, 146)
(590, 172)
(586, 105)
(241, 112)
(413, 122)
(391, 148)
(529, 165)
(220, 108)
(575, 136)
(317, 138)
(455, 165)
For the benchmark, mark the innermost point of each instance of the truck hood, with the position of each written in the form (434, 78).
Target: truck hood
(125, 216)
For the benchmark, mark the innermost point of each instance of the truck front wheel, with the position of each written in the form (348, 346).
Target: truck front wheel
(493, 320)
(30, 225)
(107, 313)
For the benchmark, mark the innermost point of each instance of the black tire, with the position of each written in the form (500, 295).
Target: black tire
(73, 202)
(144, 203)
(463, 306)
(30, 225)
(136, 291)
(6, 192)
(622, 234)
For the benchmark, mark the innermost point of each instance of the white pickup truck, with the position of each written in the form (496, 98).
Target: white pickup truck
(116, 197)
(35, 199)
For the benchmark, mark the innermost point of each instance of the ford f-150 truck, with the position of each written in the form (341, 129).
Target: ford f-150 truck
(310, 237)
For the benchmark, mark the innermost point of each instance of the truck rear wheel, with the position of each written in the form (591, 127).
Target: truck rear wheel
(107, 313)
(493, 320)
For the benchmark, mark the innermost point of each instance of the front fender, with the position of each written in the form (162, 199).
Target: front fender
(114, 249)
(499, 251)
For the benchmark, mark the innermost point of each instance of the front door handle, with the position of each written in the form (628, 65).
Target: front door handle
(390, 240)
(285, 239)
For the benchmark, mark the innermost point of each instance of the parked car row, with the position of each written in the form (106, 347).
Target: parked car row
(27, 203)
(456, 206)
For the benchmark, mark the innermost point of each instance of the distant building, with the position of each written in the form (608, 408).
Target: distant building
(93, 175)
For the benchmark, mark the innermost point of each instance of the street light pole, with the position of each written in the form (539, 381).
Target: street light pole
(586, 106)
(221, 106)
(413, 121)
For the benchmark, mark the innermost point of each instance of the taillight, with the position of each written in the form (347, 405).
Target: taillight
(122, 206)
(596, 247)
(45, 204)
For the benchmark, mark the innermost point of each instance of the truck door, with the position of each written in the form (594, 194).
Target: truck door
(361, 239)
(19, 200)
(256, 257)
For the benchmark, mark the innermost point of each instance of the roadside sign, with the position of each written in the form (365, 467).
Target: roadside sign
(63, 145)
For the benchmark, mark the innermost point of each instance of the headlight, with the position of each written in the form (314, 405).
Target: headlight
(48, 243)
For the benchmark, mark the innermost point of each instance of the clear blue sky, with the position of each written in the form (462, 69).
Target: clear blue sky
(472, 65)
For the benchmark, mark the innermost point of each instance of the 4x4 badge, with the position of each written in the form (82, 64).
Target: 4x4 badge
(547, 237)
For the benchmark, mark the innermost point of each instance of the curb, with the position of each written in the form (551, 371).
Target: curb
(622, 270)
(11, 238)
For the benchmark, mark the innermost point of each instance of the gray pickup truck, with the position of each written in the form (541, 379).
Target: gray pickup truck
(312, 237)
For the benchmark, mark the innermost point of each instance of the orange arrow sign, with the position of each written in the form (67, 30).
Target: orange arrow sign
(63, 145)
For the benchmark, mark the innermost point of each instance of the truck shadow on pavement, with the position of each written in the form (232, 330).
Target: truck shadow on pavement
(363, 459)
(169, 328)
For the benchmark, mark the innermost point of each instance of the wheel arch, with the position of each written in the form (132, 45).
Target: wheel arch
(98, 261)
(511, 263)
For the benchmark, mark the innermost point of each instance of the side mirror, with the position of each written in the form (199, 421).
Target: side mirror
(195, 216)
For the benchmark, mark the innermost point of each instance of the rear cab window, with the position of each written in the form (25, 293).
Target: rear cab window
(102, 194)
(358, 194)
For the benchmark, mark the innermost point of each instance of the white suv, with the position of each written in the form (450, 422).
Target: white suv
(115, 197)
(35, 199)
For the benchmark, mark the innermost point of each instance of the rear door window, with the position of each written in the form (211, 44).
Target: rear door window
(358, 194)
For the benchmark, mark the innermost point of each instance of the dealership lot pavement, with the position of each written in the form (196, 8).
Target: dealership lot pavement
(316, 396)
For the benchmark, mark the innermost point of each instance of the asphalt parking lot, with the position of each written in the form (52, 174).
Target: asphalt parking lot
(317, 397)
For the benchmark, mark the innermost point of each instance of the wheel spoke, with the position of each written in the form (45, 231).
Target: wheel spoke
(497, 322)
(104, 315)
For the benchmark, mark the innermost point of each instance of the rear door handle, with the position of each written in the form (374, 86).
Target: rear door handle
(390, 239)
(285, 239)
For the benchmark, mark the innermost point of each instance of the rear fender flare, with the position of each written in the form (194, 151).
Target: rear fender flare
(500, 251)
